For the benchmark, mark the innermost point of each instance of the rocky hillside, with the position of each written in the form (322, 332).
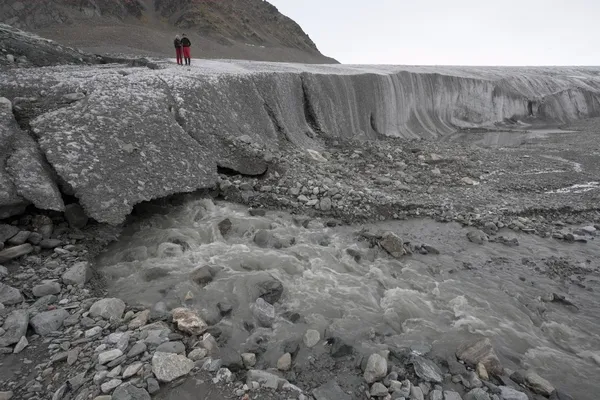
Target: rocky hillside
(245, 29)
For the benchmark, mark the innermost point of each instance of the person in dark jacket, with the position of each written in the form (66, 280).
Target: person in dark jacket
(185, 42)
(179, 50)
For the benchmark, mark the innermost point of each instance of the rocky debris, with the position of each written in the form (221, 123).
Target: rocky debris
(427, 370)
(168, 366)
(15, 327)
(47, 322)
(509, 393)
(376, 368)
(285, 362)
(311, 338)
(79, 274)
(15, 252)
(189, 321)
(480, 351)
(46, 289)
(477, 236)
(110, 308)
(128, 391)
(537, 384)
(9, 295)
(330, 391)
(393, 244)
(264, 312)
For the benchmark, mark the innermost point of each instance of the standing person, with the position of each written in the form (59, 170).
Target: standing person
(178, 50)
(185, 42)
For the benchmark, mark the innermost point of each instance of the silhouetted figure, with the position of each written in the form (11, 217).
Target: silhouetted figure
(185, 42)
(179, 50)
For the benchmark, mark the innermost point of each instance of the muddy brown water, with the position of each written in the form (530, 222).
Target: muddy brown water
(420, 301)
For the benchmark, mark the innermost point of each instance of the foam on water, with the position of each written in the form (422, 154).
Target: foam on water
(437, 300)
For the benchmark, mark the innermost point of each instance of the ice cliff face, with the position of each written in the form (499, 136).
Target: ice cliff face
(117, 136)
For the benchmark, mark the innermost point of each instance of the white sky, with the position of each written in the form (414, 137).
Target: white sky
(452, 32)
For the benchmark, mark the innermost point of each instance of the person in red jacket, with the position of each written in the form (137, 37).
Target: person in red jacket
(185, 42)
(179, 50)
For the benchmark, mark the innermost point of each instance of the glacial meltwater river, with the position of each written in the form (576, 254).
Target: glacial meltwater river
(432, 300)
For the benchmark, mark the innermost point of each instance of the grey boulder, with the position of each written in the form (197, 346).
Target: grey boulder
(78, 274)
(110, 308)
(127, 391)
(49, 321)
(168, 366)
(15, 327)
(9, 295)
(14, 252)
(427, 370)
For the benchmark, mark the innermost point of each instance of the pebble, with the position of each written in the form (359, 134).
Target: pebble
(311, 338)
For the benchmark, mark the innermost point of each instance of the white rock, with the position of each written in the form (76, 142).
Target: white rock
(285, 362)
(311, 338)
(168, 366)
(189, 321)
(109, 356)
(376, 368)
(108, 308)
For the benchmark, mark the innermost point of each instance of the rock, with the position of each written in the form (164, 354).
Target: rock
(72, 97)
(110, 308)
(93, 332)
(427, 370)
(49, 321)
(417, 394)
(450, 395)
(264, 312)
(50, 243)
(285, 362)
(378, 390)
(139, 320)
(19, 238)
(225, 226)
(14, 252)
(21, 345)
(257, 212)
(153, 385)
(75, 216)
(339, 348)
(231, 359)
(132, 369)
(111, 385)
(6, 395)
(265, 378)
(128, 391)
(509, 393)
(168, 367)
(209, 343)
(393, 244)
(35, 238)
(9, 295)
(249, 359)
(538, 384)
(476, 236)
(263, 238)
(7, 232)
(73, 355)
(311, 338)
(480, 351)
(15, 327)
(468, 181)
(108, 356)
(330, 391)
(203, 275)
(325, 204)
(266, 287)
(172, 347)
(46, 289)
(197, 354)
(223, 375)
(482, 372)
(558, 395)
(137, 349)
(78, 274)
(477, 394)
(436, 395)
(376, 368)
(189, 321)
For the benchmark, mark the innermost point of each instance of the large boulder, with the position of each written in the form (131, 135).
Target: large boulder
(9, 295)
(427, 370)
(15, 327)
(393, 244)
(376, 368)
(109, 308)
(79, 274)
(49, 321)
(480, 351)
(168, 366)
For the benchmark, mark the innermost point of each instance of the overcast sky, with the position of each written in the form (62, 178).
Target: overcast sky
(452, 32)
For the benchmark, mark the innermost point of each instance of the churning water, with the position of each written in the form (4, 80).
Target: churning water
(421, 300)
